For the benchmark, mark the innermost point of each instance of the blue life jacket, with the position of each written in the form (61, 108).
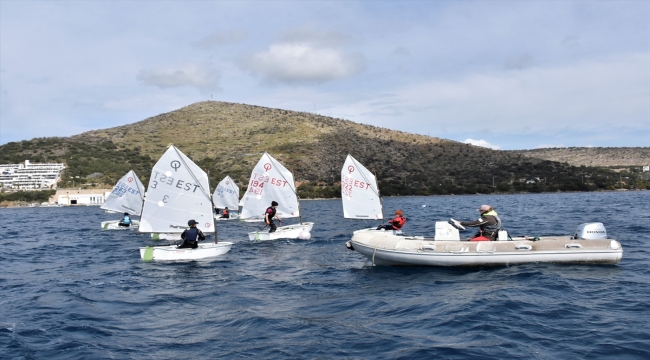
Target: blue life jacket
(191, 234)
(126, 220)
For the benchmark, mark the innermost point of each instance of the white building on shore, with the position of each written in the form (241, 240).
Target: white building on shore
(81, 197)
(30, 176)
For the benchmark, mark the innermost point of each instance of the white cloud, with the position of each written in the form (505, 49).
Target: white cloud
(306, 55)
(482, 143)
(202, 77)
(303, 63)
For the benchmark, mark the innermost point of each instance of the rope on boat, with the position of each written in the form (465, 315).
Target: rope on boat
(374, 252)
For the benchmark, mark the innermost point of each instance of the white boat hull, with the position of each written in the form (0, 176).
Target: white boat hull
(282, 232)
(232, 217)
(114, 225)
(172, 252)
(385, 248)
(252, 220)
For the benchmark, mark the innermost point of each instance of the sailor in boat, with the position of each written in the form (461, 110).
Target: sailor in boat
(269, 214)
(126, 221)
(225, 214)
(190, 236)
(489, 224)
(395, 224)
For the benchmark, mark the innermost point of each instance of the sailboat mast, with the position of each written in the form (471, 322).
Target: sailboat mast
(381, 202)
(297, 199)
(299, 212)
(214, 221)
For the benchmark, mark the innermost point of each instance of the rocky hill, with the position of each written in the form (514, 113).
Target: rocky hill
(227, 139)
(593, 156)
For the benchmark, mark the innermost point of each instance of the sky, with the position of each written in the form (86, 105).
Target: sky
(501, 74)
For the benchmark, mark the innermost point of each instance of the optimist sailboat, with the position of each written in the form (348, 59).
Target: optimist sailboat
(178, 191)
(359, 192)
(271, 181)
(226, 195)
(127, 197)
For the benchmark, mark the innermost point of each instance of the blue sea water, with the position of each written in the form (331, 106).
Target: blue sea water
(72, 291)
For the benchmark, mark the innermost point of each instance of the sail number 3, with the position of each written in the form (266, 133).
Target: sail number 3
(161, 179)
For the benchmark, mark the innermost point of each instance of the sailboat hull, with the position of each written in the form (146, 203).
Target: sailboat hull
(114, 225)
(172, 252)
(385, 248)
(282, 232)
(252, 220)
(232, 217)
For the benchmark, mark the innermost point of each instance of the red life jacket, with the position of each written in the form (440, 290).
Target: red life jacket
(398, 222)
(224, 212)
(480, 238)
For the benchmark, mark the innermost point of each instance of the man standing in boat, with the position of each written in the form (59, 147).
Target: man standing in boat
(396, 223)
(189, 236)
(489, 223)
(269, 214)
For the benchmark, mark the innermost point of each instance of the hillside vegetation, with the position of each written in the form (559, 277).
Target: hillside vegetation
(593, 156)
(228, 138)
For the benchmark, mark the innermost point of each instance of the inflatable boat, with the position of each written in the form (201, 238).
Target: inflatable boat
(588, 245)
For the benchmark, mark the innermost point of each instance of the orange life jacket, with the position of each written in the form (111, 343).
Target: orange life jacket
(480, 238)
(224, 212)
(398, 222)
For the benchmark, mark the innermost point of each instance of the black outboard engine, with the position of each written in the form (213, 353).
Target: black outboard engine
(590, 231)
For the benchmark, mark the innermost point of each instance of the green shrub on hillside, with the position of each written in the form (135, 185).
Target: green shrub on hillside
(27, 196)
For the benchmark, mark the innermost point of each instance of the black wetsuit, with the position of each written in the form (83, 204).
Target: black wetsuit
(189, 238)
(270, 212)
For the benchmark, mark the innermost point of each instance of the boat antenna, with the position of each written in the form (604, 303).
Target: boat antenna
(214, 225)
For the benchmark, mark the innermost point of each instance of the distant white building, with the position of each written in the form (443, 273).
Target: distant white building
(30, 176)
(81, 197)
(646, 168)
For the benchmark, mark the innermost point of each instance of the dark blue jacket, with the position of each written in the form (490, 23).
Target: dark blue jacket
(191, 234)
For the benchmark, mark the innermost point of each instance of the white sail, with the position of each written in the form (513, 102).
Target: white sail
(226, 194)
(270, 181)
(359, 192)
(127, 195)
(178, 191)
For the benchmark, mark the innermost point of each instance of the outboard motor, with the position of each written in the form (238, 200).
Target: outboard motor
(591, 231)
